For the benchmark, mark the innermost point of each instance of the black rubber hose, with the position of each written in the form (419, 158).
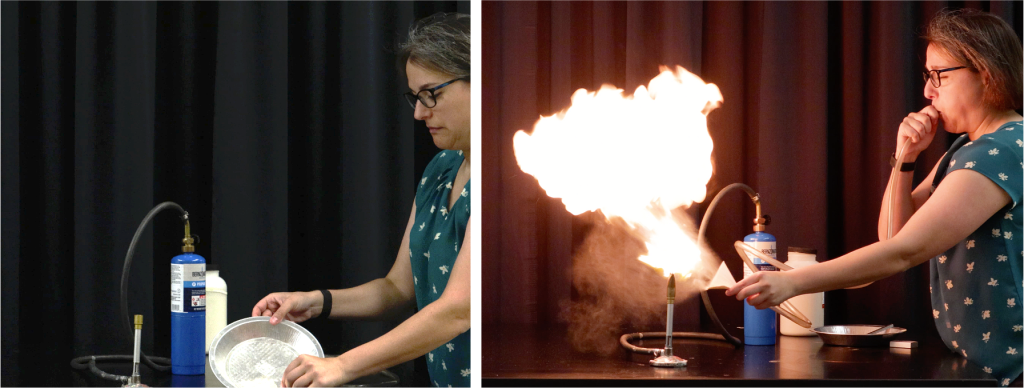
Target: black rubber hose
(89, 362)
(125, 316)
(700, 240)
(161, 364)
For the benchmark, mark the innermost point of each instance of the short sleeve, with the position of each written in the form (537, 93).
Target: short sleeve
(997, 156)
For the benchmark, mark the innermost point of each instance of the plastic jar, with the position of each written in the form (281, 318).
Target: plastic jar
(216, 304)
(811, 305)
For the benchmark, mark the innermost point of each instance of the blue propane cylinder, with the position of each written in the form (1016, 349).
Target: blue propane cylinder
(759, 326)
(188, 314)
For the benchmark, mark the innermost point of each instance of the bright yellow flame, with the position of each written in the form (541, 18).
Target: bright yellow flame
(635, 157)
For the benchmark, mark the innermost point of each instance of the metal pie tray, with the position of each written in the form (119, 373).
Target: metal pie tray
(251, 352)
(856, 335)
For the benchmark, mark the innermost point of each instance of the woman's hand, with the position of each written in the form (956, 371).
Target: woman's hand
(312, 371)
(764, 289)
(920, 128)
(293, 306)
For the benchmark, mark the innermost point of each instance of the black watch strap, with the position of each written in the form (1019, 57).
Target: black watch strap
(905, 167)
(325, 313)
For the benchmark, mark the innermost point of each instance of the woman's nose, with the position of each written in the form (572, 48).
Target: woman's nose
(929, 91)
(421, 112)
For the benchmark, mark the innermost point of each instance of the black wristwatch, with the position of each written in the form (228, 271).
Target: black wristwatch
(906, 167)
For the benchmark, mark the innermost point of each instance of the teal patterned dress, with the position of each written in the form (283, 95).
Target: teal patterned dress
(434, 243)
(976, 284)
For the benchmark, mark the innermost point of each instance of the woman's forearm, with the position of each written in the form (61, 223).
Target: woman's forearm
(904, 206)
(376, 298)
(431, 327)
(873, 262)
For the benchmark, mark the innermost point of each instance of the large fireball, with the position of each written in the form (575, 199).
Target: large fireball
(635, 157)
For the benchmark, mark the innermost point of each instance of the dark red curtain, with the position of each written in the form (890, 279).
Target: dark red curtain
(814, 93)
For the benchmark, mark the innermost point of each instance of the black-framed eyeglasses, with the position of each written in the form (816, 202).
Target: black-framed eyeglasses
(933, 75)
(426, 96)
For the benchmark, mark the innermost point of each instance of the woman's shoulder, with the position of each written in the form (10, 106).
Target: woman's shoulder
(1011, 126)
(444, 160)
(1009, 138)
(997, 155)
(1009, 132)
(440, 165)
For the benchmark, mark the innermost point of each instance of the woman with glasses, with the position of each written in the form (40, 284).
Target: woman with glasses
(965, 218)
(432, 267)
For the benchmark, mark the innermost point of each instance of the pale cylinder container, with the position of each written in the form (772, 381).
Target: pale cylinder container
(811, 305)
(216, 305)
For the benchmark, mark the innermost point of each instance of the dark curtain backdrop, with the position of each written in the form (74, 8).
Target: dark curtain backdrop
(814, 93)
(278, 126)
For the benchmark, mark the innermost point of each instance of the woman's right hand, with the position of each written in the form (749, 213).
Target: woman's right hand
(920, 128)
(293, 306)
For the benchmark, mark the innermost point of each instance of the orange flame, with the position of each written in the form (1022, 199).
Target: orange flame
(635, 157)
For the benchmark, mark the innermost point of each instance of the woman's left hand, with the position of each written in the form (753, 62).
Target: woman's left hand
(312, 371)
(764, 289)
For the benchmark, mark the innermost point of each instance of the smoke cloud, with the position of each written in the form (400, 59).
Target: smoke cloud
(615, 293)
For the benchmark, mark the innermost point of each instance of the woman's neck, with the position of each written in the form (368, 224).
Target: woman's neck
(990, 123)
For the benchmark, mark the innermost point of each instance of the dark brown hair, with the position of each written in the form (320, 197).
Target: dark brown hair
(986, 44)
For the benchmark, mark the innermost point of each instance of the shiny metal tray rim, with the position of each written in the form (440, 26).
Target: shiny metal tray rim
(892, 330)
(227, 329)
(857, 339)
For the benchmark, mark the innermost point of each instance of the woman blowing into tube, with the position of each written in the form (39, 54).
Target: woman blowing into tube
(969, 225)
(432, 267)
